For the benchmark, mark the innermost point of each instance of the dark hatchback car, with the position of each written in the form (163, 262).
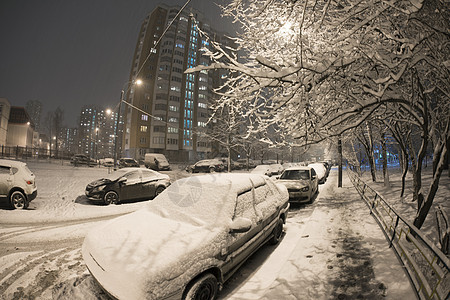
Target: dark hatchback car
(128, 163)
(81, 159)
(128, 184)
(206, 165)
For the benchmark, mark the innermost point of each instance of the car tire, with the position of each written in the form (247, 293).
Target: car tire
(212, 169)
(277, 233)
(18, 200)
(190, 170)
(204, 287)
(159, 190)
(110, 197)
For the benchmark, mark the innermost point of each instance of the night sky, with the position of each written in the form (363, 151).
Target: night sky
(71, 53)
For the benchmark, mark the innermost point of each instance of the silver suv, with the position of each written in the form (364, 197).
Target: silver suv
(17, 183)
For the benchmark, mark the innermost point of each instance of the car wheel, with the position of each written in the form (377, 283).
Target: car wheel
(203, 288)
(159, 190)
(111, 197)
(277, 232)
(190, 170)
(18, 200)
(212, 169)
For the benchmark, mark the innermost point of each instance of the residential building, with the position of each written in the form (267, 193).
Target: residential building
(20, 128)
(5, 108)
(170, 109)
(95, 133)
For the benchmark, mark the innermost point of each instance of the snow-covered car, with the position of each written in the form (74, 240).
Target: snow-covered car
(189, 240)
(275, 169)
(206, 165)
(127, 162)
(81, 159)
(107, 162)
(127, 184)
(321, 171)
(262, 169)
(301, 183)
(17, 184)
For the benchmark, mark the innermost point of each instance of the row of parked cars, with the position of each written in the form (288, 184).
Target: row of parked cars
(155, 161)
(197, 232)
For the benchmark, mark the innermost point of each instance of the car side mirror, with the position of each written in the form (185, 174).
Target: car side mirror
(314, 177)
(277, 177)
(240, 225)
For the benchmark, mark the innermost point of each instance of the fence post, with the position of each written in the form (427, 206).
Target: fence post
(393, 234)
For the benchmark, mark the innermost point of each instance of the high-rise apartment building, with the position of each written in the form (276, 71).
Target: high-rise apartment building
(170, 112)
(96, 132)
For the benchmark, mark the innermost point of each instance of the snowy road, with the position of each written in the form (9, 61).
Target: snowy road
(330, 249)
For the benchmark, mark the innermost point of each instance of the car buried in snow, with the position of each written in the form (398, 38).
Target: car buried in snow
(189, 240)
(301, 183)
(321, 171)
(127, 184)
(206, 165)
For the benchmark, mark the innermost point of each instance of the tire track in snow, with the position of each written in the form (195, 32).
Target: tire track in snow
(46, 267)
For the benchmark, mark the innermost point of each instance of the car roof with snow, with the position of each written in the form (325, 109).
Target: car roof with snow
(298, 168)
(203, 199)
(11, 163)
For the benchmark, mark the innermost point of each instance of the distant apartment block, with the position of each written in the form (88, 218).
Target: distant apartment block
(5, 108)
(20, 128)
(96, 131)
(171, 107)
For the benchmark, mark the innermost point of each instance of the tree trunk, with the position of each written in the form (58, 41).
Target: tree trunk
(426, 205)
(370, 155)
(385, 166)
(404, 156)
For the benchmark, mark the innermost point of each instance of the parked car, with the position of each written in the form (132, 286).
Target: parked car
(321, 171)
(17, 184)
(107, 162)
(243, 163)
(301, 182)
(262, 169)
(81, 159)
(156, 161)
(128, 163)
(234, 165)
(189, 240)
(206, 165)
(128, 184)
(275, 169)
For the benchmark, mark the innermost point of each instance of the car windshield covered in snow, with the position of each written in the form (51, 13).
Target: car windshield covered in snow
(295, 174)
(196, 201)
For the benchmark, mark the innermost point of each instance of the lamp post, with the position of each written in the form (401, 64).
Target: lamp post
(116, 129)
(96, 143)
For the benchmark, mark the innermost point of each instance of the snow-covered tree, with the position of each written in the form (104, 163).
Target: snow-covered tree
(316, 69)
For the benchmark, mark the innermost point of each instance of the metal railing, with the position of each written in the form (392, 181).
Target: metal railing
(426, 265)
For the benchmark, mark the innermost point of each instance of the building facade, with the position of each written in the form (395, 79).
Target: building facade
(95, 133)
(5, 108)
(169, 111)
(20, 128)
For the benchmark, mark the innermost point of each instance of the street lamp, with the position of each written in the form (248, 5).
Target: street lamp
(96, 143)
(116, 129)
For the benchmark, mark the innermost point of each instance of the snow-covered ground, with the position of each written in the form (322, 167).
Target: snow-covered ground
(405, 205)
(331, 248)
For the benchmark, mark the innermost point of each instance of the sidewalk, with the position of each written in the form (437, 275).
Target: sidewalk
(338, 252)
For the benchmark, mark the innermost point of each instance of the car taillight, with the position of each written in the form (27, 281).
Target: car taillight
(29, 182)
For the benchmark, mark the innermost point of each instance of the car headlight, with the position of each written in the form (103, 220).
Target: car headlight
(98, 188)
(305, 189)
